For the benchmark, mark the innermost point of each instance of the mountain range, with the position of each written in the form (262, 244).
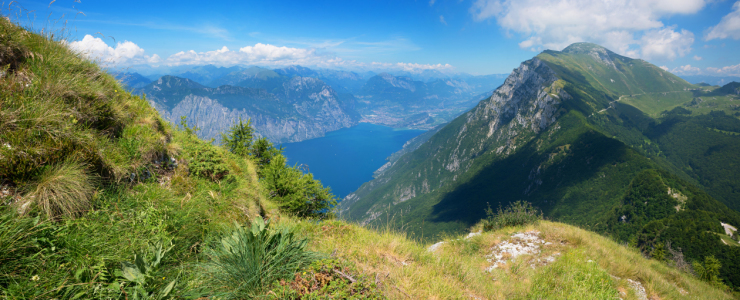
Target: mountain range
(591, 138)
(297, 103)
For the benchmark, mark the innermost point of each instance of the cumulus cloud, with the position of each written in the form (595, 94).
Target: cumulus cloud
(725, 71)
(733, 70)
(442, 19)
(626, 27)
(666, 43)
(270, 55)
(686, 70)
(728, 27)
(697, 57)
(126, 53)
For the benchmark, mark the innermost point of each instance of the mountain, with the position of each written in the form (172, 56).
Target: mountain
(206, 74)
(132, 80)
(711, 80)
(100, 199)
(591, 138)
(399, 101)
(341, 81)
(300, 108)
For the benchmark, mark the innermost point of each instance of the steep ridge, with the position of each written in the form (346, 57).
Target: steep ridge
(301, 108)
(556, 135)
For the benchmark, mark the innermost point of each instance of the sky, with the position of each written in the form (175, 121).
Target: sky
(686, 37)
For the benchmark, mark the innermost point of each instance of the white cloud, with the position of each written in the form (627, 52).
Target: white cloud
(409, 67)
(626, 27)
(725, 71)
(270, 55)
(442, 19)
(664, 68)
(126, 53)
(733, 70)
(728, 27)
(431, 2)
(697, 57)
(666, 43)
(686, 70)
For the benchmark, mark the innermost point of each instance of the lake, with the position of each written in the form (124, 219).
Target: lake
(346, 158)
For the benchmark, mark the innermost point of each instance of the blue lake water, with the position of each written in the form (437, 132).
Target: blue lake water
(346, 158)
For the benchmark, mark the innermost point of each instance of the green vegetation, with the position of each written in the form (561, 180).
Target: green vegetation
(124, 206)
(518, 213)
(245, 261)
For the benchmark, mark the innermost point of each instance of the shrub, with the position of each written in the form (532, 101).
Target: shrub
(62, 190)
(245, 261)
(516, 214)
(709, 271)
(297, 193)
(208, 162)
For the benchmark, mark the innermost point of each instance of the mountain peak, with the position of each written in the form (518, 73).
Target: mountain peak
(585, 48)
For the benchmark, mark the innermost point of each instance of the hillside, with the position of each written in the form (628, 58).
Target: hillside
(100, 198)
(560, 134)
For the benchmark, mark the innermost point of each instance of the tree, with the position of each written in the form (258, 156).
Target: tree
(264, 152)
(239, 137)
(296, 192)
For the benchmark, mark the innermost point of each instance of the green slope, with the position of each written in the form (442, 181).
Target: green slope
(560, 134)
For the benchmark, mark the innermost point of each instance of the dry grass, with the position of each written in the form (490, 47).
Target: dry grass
(62, 190)
(457, 269)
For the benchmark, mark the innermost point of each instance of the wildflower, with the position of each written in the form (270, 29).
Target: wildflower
(35, 278)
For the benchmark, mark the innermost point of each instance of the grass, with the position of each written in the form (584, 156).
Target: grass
(655, 103)
(145, 228)
(62, 190)
(406, 270)
(243, 261)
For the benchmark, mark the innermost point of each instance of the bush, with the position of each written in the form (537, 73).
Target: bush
(62, 190)
(207, 162)
(516, 214)
(297, 193)
(247, 260)
(709, 271)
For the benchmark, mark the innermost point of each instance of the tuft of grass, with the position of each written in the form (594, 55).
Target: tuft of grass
(517, 213)
(245, 261)
(62, 190)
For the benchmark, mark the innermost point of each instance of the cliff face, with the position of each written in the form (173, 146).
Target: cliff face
(304, 108)
(526, 104)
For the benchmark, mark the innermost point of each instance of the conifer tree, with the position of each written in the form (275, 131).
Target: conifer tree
(238, 139)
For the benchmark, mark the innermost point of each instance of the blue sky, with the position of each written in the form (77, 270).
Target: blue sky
(474, 36)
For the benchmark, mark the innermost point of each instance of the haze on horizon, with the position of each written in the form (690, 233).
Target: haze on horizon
(688, 37)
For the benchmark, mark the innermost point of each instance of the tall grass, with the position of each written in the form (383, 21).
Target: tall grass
(247, 260)
(62, 190)
(17, 244)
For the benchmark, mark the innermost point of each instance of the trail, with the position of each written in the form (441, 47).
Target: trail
(611, 104)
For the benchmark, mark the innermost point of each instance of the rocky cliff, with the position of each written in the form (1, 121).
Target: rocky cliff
(303, 108)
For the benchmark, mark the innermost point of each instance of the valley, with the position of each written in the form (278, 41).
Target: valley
(342, 150)
(297, 103)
